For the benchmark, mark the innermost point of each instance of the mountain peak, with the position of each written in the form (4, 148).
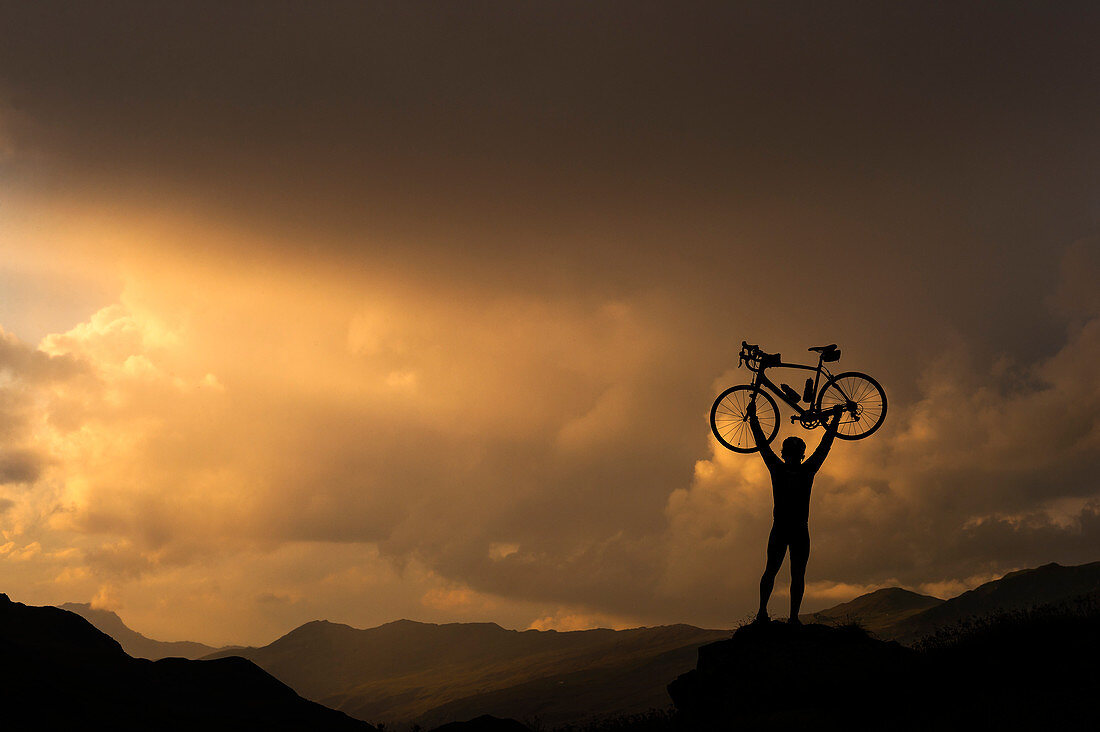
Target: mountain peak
(84, 608)
(133, 642)
(898, 592)
(877, 611)
(1049, 567)
(408, 623)
(316, 629)
(323, 623)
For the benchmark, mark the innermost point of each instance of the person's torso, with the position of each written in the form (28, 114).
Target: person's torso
(791, 487)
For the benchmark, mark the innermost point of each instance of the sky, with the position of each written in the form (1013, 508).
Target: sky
(367, 311)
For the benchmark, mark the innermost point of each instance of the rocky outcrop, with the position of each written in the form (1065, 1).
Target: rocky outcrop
(1024, 670)
(777, 674)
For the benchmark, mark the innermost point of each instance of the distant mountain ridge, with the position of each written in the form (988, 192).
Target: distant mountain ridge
(896, 614)
(1049, 584)
(877, 611)
(135, 644)
(407, 671)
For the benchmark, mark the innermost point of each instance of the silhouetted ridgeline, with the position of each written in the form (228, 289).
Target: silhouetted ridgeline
(879, 612)
(59, 672)
(1049, 584)
(134, 643)
(897, 614)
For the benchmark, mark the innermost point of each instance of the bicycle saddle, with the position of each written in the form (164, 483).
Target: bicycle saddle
(823, 349)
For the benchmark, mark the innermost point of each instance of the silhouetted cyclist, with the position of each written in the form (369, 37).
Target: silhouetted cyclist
(792, 480)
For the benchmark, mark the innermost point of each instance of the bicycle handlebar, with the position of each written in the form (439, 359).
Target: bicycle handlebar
(754, 358)
(748, 354)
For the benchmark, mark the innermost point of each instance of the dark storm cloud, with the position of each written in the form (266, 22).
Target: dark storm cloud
(866, 153)
(22, 370)
(27, 364)
(20, 466)
(457, 104)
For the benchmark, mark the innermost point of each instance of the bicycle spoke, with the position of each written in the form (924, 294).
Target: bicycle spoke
(863, 392)
(855, 391)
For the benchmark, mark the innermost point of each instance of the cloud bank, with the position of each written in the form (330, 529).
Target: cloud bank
(525, 463)
(418, 310)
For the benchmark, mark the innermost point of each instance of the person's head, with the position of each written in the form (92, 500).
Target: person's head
(794, 449)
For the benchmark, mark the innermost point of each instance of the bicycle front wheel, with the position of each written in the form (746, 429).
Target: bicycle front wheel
(729, 420)
(863, 401)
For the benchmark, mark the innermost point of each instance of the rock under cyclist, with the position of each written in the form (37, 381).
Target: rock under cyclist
(792, 479)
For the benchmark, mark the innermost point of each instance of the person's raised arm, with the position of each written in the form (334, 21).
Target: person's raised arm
(766, 451)
(815, 461)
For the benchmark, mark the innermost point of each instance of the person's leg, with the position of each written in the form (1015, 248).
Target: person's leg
(800, 556)
(777, 547)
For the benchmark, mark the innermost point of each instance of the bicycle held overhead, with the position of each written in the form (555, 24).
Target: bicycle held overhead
(861, 400)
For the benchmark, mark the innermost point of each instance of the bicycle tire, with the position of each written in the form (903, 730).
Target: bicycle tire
(865, 392)
(729, 422)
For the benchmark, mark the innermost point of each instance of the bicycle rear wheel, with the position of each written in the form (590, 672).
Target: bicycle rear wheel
(863, 400)
(730, 422)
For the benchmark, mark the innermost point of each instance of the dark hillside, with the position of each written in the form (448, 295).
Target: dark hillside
(897, 614)
(1029, 588)
(59, 672)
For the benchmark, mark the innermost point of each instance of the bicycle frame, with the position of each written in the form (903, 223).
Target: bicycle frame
(853, 393)
(809, 414)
